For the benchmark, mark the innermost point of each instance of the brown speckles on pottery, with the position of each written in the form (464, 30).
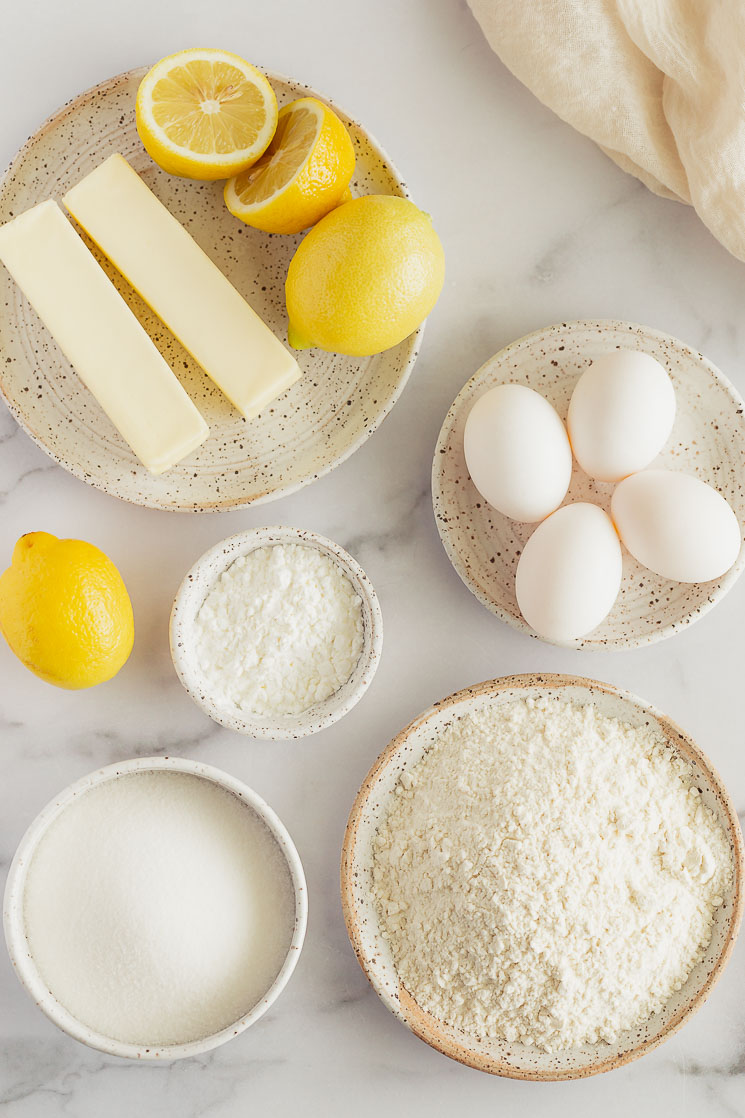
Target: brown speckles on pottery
(517, 1061)
(708, 440)
(314, 426)
(194, 589)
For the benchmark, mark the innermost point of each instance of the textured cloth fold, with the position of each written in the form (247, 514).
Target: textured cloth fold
(659, 85)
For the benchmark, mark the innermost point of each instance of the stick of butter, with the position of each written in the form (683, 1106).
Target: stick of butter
(100, 337)
(182, 285)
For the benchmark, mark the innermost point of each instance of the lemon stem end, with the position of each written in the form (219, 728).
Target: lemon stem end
(296, 340)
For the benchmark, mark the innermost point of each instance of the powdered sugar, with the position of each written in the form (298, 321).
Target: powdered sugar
(547, 874)
(279, 631)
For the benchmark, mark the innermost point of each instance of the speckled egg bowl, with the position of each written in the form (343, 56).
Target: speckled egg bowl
(708, 440)
(194, 589)
(15, 932)
(310, 429)
(518, 1061)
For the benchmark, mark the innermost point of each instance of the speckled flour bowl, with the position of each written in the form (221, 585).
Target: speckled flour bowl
(708, 440)
(17, 942)
(518, 1061)
(315, 425)
(194, 589)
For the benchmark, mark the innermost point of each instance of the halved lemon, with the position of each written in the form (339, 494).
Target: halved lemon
(303, 174)
(205, 114)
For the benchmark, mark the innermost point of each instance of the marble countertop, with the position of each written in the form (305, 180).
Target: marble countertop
(538, 226)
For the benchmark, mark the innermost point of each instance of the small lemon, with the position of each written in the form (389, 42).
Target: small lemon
(301, 176)
(365, 277)
(65, 611)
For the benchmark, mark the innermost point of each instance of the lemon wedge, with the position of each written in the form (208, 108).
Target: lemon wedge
(205, 114)
(302, 176)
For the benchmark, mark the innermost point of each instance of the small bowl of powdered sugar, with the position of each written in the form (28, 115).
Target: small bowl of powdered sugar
(276, 632)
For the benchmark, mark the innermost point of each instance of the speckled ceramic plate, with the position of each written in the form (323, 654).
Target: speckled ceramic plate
(313, 427)
(708, 440)
(518, 1061)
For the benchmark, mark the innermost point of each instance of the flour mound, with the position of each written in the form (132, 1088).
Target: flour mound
(547, 874)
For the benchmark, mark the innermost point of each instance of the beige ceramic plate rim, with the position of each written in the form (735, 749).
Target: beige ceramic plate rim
(413, 342)
(191, 593)
(401, 1004)
(15, 934)
(586, 644)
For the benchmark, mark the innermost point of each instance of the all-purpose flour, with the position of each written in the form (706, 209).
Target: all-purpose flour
(158, 908)
(548, 875)
(279, 631)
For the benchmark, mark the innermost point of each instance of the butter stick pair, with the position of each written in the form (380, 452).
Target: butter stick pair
(103, 340)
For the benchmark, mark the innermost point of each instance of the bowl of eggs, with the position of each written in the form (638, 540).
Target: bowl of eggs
(587, 485)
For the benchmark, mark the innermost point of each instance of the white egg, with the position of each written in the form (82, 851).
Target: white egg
(517, 452)
(676, 525)
(621, 414)
(569, 573)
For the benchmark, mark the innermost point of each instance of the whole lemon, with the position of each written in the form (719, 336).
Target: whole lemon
(365, 277)
(65, 611)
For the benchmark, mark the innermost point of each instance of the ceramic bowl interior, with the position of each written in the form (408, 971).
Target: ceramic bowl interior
(15, 933)
(315, 425)
(371, 806)
(708, 440)
(194, 589)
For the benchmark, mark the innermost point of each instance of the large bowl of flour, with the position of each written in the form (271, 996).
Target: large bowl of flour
(542, 877)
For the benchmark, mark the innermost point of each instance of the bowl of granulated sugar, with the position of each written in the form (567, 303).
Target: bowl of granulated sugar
(276, 632)
(155, 909)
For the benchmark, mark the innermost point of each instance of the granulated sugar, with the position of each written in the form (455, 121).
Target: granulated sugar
(547, 874)
(279, 631)
(159, 908)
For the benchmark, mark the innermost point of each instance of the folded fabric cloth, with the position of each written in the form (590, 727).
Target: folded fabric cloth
(658, 84)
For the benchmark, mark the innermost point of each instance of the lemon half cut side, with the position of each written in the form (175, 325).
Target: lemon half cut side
(205, 113)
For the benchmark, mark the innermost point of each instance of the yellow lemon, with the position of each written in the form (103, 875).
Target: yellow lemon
(205, 114)
(302, 175)
(65, 611)
(365, 277)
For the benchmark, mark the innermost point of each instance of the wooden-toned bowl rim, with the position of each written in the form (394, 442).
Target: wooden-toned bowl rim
(427, 1027)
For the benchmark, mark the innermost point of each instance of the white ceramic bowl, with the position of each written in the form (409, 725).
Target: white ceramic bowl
(191, 594)
(707, 440)
(15, 933)
(517, 1061)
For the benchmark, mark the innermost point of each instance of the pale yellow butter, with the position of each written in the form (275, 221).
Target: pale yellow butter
(182, 285)
(100, 337)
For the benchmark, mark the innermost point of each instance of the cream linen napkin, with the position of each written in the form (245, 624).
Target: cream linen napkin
(658, 84)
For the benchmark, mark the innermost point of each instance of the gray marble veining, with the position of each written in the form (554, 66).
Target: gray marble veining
(538, 227)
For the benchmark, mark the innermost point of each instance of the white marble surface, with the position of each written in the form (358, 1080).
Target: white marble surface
(538, 226)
